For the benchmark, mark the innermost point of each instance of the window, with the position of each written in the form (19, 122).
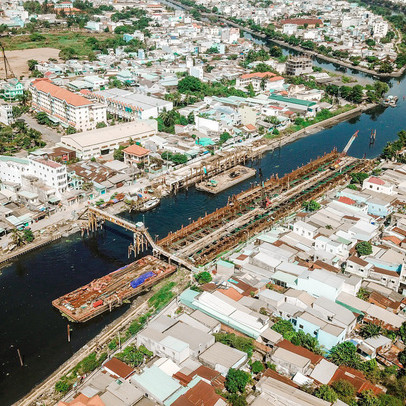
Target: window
(301, 326)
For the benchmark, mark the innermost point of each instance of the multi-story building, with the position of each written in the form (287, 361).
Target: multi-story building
(69, 108)
(51, 173)
(6, 114)
(129, 105)
(298, 65)
(261, 81)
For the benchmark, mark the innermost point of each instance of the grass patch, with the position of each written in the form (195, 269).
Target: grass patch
(161, 298)
(57, 39)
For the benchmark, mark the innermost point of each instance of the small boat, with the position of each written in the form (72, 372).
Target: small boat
(150, 204)
(390, 101)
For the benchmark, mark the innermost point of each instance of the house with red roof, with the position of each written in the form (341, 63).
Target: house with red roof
(135, 154)
(261, 81)
(378, 185)
(65, 107)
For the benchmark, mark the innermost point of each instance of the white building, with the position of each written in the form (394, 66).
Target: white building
(380, 29)
(378, 185)
(52, 174)
(264, 81)
(104, 141)
(6, 114)
(130, 105)
(65, 106)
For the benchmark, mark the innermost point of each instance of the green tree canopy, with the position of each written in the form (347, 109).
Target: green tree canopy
(326, 393)
(363, 248)
(236, 380)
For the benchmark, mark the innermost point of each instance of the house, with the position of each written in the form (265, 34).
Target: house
(200, 394)
(83, 400)
(174, 339)
(276, 392)
(289, 362)
(118, 368)
(13, 88)
(135, 154)
(156, 384)
(260, 81)
(378, 185)
(221, 358)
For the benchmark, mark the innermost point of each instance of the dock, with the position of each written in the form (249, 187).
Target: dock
(112, 290)
(226, 179)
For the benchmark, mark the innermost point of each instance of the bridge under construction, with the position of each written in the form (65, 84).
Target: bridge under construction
(245, 214)
(259, 208)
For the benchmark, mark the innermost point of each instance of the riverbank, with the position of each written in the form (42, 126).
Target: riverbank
(45, 394)
(66, 223)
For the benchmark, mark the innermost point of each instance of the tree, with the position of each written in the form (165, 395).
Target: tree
(402, 331)
(363, 248)
(191, 118)
(224, 137)
(326, 393)
(62, 386)
(311, 206)
(251, 91)
(70, 130)
(31, 64)
(101, 124)
(370, 330)
(368, 398)
(119, 154)
(357, 94)
(42, 118)
(189, 84)
(203, 277)
(344, 389)
(389, 400)
(345, 354)
(402, 358)
(358, 177)
(257, 367)
(17, 237)
(236, 380)
(28, 235)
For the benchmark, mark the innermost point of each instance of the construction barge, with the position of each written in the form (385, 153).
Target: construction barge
(112, 290)
(225, 180)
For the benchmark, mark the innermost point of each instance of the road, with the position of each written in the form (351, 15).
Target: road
(49, 135)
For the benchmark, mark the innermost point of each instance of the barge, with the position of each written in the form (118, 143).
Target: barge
(112, 290)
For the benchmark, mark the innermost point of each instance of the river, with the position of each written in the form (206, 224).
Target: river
(27, 286)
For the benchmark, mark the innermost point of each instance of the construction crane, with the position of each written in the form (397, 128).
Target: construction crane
(9, 74)
(345, 150)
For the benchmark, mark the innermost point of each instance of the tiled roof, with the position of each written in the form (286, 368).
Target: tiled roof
(375, 180)
(393, 239)
(346, 200)
(302, 21)
(298, 350)
(258, 75)
(384, 271)
(200, 394)
(231, 293)
(356, 378)
(136, 150)
(45, 85)
(119, 368)
(83, 400)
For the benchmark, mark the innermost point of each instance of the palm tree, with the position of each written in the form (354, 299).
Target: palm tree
(17, 237)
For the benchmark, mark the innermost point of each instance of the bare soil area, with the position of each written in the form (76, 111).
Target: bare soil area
(18, 59)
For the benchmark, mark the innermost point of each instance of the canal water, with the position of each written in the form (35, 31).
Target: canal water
(28, 321)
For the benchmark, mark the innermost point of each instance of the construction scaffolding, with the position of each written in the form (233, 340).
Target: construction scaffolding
(258, 208)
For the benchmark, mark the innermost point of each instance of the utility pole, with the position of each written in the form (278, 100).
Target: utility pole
(20, 358)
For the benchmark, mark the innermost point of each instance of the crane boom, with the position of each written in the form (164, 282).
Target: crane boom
(349, 143)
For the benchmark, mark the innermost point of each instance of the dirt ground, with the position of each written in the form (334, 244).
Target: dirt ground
(18, 59)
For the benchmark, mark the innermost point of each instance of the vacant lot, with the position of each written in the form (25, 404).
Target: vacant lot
(21, 48)
(18, 59)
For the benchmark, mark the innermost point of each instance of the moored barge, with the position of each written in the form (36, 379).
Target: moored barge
(112, 290)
